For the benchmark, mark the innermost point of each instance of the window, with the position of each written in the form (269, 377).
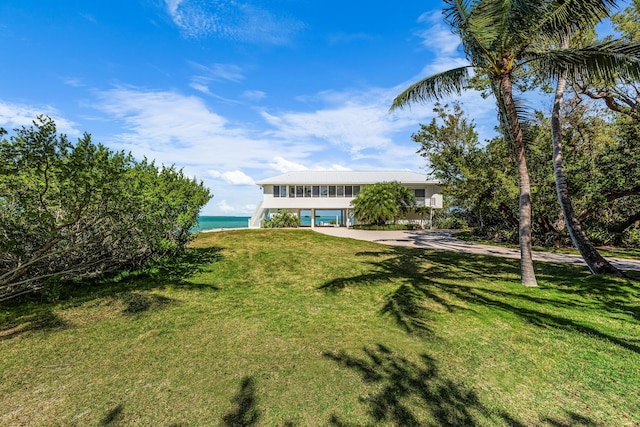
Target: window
(332, 191)
(316, 191)
(419, 193)
(292, 191)
(276, 191)
(348, 191)
(340, 190)
(299, 191)
(307, 191)
(324, 191)
(356, 189)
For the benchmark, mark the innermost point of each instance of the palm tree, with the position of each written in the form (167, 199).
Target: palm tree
(380, 202)
(604, 60)
(503, 41)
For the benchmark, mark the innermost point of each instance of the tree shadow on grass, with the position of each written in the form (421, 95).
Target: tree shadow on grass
(430, 281)
(413, 394)
(133, 290)
(37, 320)
(114, 416)
(246, 413)
(571, 419)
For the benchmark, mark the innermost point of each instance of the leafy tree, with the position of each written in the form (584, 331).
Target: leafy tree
(504, 40)
(623, 94)
(381, 202)
(70, 212)
(600, 162)
(477, 179)
(615, 207)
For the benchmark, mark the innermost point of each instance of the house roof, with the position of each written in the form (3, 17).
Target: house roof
(347, 177)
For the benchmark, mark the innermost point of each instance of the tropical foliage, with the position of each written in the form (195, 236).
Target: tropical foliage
(382, 202)
(506, 40)
(73, 211)
(479, 181)
(283, 219)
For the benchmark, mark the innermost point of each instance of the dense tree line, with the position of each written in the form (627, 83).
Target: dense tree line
(76, 211)
(601, 162)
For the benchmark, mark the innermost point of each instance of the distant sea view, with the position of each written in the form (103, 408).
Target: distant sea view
(215, 222)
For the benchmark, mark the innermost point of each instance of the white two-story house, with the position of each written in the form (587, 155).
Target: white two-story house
(323, 198)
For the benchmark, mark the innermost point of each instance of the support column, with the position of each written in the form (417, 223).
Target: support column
(313, 218)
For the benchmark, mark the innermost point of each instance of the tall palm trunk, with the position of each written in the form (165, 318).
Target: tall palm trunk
(596, 263)
(527, 273)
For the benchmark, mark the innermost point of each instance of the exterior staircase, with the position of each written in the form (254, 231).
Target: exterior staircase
(258, 216)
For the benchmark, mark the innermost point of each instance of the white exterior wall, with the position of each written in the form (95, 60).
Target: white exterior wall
(270, 202)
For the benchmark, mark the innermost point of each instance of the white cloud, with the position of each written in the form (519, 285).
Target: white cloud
(352, 126)
(283, 165)
(230, 72)
(333, 167)
(172, 6)
(236, 177)
(16, 115)
(73, 82)
(254, 95)
(225, 207)
(200, 88)
(438, 37)
(166, 118)
(215, 72)
(231, 20)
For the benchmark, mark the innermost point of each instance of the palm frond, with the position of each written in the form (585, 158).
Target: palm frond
(500, 28)
(570, 15)
(456, 13)
(434, 87)
(474, 35)
(608, 61)
(487, 21)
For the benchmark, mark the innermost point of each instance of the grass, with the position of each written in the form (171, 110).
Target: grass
(295, 328)
(610, 252)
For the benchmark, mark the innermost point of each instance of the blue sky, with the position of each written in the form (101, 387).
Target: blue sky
(231, 91)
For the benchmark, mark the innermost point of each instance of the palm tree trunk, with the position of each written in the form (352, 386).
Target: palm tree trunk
(527, 273)
(596, 263)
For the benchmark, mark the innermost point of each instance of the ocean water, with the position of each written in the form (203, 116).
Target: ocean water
(215, 222)
(305, 221)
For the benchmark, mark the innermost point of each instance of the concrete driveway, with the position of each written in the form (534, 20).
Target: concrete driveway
(445, 240)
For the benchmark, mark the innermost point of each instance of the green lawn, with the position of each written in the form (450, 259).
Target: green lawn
(295, 328)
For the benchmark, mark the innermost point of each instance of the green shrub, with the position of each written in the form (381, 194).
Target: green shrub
(631, 237)
(73, 211)
(282, 219)
(450, 223)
